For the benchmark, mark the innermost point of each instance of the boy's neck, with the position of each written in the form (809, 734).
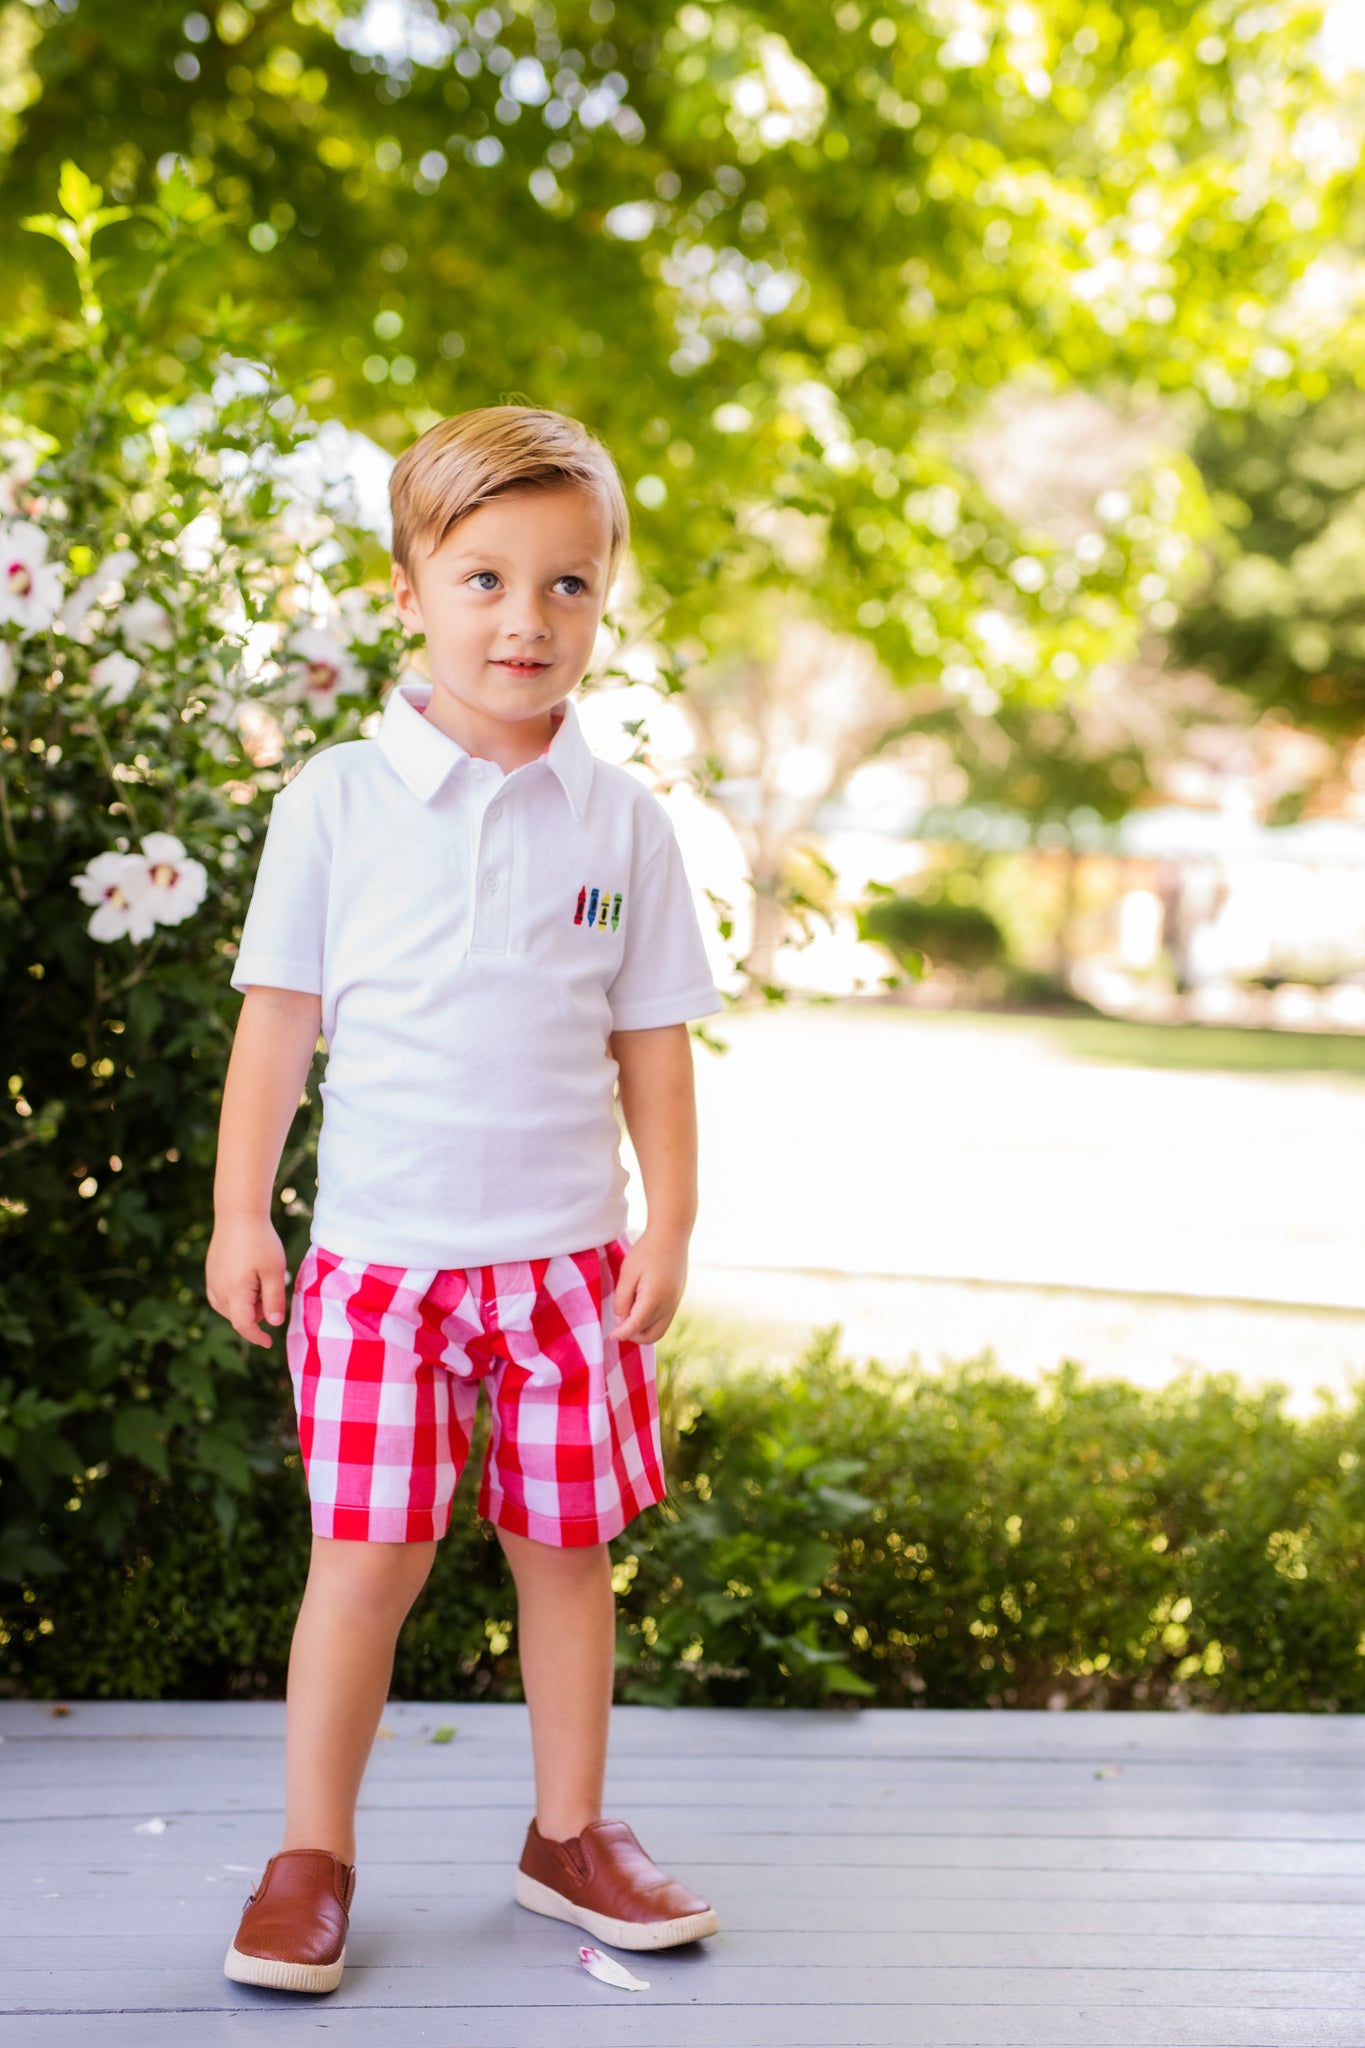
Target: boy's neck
(509, 744)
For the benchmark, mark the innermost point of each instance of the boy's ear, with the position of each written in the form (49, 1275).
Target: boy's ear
(405, 598)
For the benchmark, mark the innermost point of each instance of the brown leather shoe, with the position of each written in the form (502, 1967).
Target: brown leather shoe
(603, 1880)
(293, 1931)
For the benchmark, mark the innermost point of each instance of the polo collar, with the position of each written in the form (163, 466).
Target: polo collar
(424, 755)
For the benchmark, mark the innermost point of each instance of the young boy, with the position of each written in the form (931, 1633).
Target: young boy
(492, 930)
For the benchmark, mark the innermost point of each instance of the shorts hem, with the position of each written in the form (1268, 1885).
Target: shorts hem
(379, 1525)
(576, 1532)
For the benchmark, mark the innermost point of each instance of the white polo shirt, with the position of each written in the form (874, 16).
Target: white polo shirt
(474, 937)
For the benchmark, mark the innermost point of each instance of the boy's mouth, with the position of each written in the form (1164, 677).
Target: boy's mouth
(522, 668)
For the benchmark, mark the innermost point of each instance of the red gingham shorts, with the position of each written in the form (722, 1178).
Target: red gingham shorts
(387, 1362)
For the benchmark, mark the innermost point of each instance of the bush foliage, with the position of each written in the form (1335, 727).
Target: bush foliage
(834, 1534)
(178, 625)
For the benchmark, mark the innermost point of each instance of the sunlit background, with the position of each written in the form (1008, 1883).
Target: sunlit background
(989, 383)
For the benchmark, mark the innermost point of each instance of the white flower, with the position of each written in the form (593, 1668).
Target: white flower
(144, 623)
(9, 668)
(115, 677)
(321, 669)
(359, 619)
(177, 884)
(95, 588)
(20, 461)
(30, 585)
(135, 892)
(119, 885)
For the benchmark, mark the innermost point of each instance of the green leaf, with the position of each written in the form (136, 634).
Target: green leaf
(51, 224)
(23, 1554)
(224, 1456)
(842, 1504)
(834, 1471)
(137, 1434)
(177, 194)
(78, 194)
(838, 1678)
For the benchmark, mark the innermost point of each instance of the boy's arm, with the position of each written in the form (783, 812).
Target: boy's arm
(658, 1101)
(277, 1032)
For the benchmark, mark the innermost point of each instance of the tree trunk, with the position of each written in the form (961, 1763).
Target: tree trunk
(1064, 956)
(768, 929)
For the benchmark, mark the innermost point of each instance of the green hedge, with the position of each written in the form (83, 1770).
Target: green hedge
(835, 1533)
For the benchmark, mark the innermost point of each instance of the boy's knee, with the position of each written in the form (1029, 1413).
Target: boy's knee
(568, 1560)
(372, 1575)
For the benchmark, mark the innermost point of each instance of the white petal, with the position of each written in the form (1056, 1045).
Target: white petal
(162, 846)
(111, 571)
(127, 920)
(110, 921)
(23, 542)
(35, 608)
(116, 676)
(144, 623)
(173, 904)
(107, 871)
(608, 1971)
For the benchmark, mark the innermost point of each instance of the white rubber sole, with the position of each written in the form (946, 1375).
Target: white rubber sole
(620, 1933)
(280, 1976)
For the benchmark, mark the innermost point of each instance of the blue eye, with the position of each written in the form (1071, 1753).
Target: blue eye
(482, 572)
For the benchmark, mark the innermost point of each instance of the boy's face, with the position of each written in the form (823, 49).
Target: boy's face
(510, 604)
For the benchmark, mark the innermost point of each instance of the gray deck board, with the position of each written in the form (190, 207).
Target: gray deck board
(884, 1881)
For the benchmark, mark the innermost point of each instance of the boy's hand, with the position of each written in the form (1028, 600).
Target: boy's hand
(650, 1286)
(245, 1276)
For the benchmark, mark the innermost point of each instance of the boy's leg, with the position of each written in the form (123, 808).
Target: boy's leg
(574, 1451)
(340, 1665)
(566, 1639)
(576, 1866)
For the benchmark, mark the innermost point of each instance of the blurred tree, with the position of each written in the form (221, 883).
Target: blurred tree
(778, 259)
(1281, 616)
(767, 253)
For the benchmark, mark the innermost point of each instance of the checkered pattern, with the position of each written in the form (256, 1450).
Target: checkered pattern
(387, 1362)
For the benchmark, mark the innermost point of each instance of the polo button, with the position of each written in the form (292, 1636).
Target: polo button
(495, 810)
(490, 882)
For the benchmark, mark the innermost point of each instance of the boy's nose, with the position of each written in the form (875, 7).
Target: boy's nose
(527, 623)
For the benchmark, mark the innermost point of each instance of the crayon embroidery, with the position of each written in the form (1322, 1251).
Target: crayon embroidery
(599, 909)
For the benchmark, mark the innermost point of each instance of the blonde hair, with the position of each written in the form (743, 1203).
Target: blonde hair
(467, 460)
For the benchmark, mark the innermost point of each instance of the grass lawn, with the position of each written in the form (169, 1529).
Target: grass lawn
(1193, 1048)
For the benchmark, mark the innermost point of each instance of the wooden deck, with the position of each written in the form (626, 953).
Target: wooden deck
(882, 1879)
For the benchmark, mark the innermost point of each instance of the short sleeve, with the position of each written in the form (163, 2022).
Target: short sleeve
(282, 936)
(664, 976)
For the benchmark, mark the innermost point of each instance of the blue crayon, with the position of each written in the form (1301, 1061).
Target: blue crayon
(592, 908)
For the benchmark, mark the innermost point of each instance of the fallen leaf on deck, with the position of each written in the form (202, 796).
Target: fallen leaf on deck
(384, 1735)
(608, 1971)
(445, 1733)
(1109, 1771)
(59, 1713)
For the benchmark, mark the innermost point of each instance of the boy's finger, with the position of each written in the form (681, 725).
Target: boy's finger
(272, 1296)
(244, 1310)
(640, 1316)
